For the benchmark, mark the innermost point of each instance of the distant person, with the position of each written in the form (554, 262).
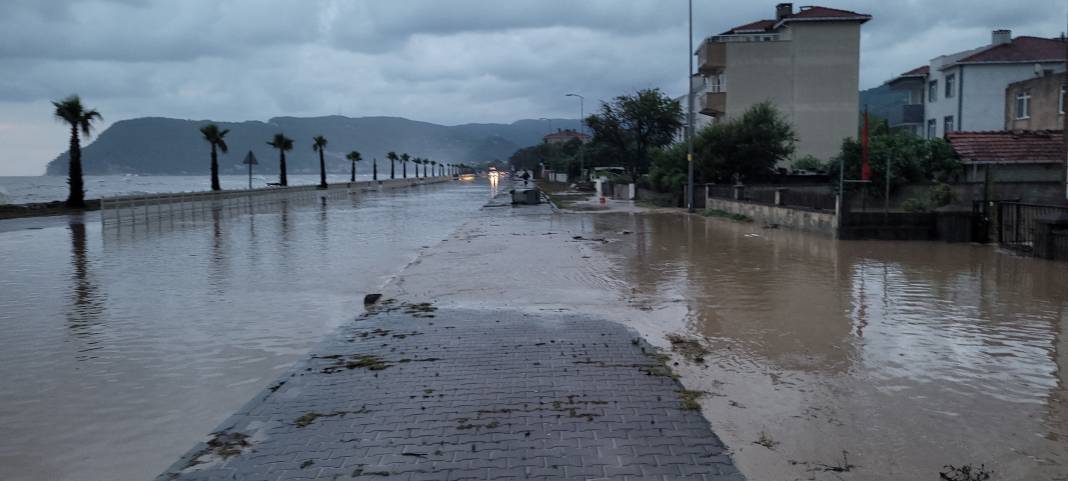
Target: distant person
(525, 177)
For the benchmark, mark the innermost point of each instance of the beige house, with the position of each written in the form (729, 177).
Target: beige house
(1036, 104)
(806, 62)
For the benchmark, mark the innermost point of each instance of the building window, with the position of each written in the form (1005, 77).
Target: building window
(717, 83)
(951, 83)
(932, 91)
(932, 129)
(1060, 101)
(947, 124)
(1023, 105)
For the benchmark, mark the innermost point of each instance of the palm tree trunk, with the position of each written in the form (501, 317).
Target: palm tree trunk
(392, 173)
(322, 170)
(374, 175)
(404, 169)
(282, 168)
(353, 171)
(214, 169)
(76, 199)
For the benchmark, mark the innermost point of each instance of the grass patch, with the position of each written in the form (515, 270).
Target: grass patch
(722, 214)
(689, 400)
(690, 348)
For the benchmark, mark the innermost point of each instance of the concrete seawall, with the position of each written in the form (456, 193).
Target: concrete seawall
(801, 219)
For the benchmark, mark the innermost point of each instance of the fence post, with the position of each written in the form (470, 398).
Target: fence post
(739, 192)
(1016, 225)
(778, 196)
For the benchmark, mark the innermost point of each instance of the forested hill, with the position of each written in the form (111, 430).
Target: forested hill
(163, 146)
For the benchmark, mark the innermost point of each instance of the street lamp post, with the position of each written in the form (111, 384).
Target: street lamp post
(582, 145)
(689, 120)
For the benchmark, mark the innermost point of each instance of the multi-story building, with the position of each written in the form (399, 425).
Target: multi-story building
(1035, 104)
(966, 90)
(913, 82)
(564, 136)
(806, 62)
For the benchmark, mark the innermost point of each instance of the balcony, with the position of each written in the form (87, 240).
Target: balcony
(712, 57)
(912, 114)
(714, 103)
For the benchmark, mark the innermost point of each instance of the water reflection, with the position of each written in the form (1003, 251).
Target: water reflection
(164, 328)
(87, 302)
(912, 355)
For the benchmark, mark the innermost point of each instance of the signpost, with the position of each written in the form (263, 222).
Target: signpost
(250, 160)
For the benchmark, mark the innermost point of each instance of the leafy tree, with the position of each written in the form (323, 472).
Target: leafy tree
(911, 160)
(71, 111)
(631, 125)
(354, 157)
(404, 164)
(747, 148)
(809, 163)
(319, 145)
(283, 144)
(670, 170)
(217, 138)
(392, 156)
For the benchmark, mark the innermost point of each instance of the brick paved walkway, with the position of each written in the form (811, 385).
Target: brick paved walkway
(412, 393)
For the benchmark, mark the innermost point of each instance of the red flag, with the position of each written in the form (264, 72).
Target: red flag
(865, 168)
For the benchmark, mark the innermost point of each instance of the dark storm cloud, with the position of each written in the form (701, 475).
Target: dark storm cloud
(443, 61)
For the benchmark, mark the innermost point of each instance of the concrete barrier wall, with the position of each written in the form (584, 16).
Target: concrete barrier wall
(806, 220)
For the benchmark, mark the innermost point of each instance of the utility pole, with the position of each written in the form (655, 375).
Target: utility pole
(689, 120)
(582, 129)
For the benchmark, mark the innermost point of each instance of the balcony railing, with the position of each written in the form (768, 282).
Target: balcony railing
(711, 57)
(714, 103)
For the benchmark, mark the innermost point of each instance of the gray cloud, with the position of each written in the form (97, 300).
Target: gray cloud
(443, 61)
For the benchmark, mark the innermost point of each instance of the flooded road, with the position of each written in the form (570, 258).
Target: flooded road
(884, 360)
(846, 360)
(122, 347)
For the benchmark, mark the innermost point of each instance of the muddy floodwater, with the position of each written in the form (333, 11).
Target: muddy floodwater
(818, 359)
(120, 348)
(860, 360)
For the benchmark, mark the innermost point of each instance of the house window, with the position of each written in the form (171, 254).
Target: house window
(717, 83)
(951, 83)
(1023, 105)
(1060, 101)
(932, 129)
(932, 91)
(947, 124)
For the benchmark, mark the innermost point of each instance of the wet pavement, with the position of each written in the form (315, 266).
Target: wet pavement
(411, 392)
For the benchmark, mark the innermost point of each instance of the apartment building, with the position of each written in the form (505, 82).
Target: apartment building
(806, 62)
(965, 91)
(1036, 104)
(914, 83)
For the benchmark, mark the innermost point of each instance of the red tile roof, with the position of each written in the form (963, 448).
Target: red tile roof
(805, 14)
(566, 135)
(759, 25)
(826, 13)
(918, 71)
(1021, 49)
(1039, 146)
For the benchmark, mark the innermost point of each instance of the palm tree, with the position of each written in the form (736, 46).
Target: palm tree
(435, 169)
(374, 174)
(354, 157)
(319, 146)
(71, 111)
(283, 144)
(425, 163)
(404, 165)
(217, 139)
(392, 156)
(417, 161)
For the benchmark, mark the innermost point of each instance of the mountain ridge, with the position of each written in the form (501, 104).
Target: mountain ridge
(169, 146)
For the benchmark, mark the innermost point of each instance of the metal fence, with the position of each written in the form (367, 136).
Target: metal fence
(141, 209)
(1031, 228)
(804, 198)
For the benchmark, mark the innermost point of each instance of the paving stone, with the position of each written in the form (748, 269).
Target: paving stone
(474, 395)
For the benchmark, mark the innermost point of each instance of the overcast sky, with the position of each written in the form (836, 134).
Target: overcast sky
(444, 61)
